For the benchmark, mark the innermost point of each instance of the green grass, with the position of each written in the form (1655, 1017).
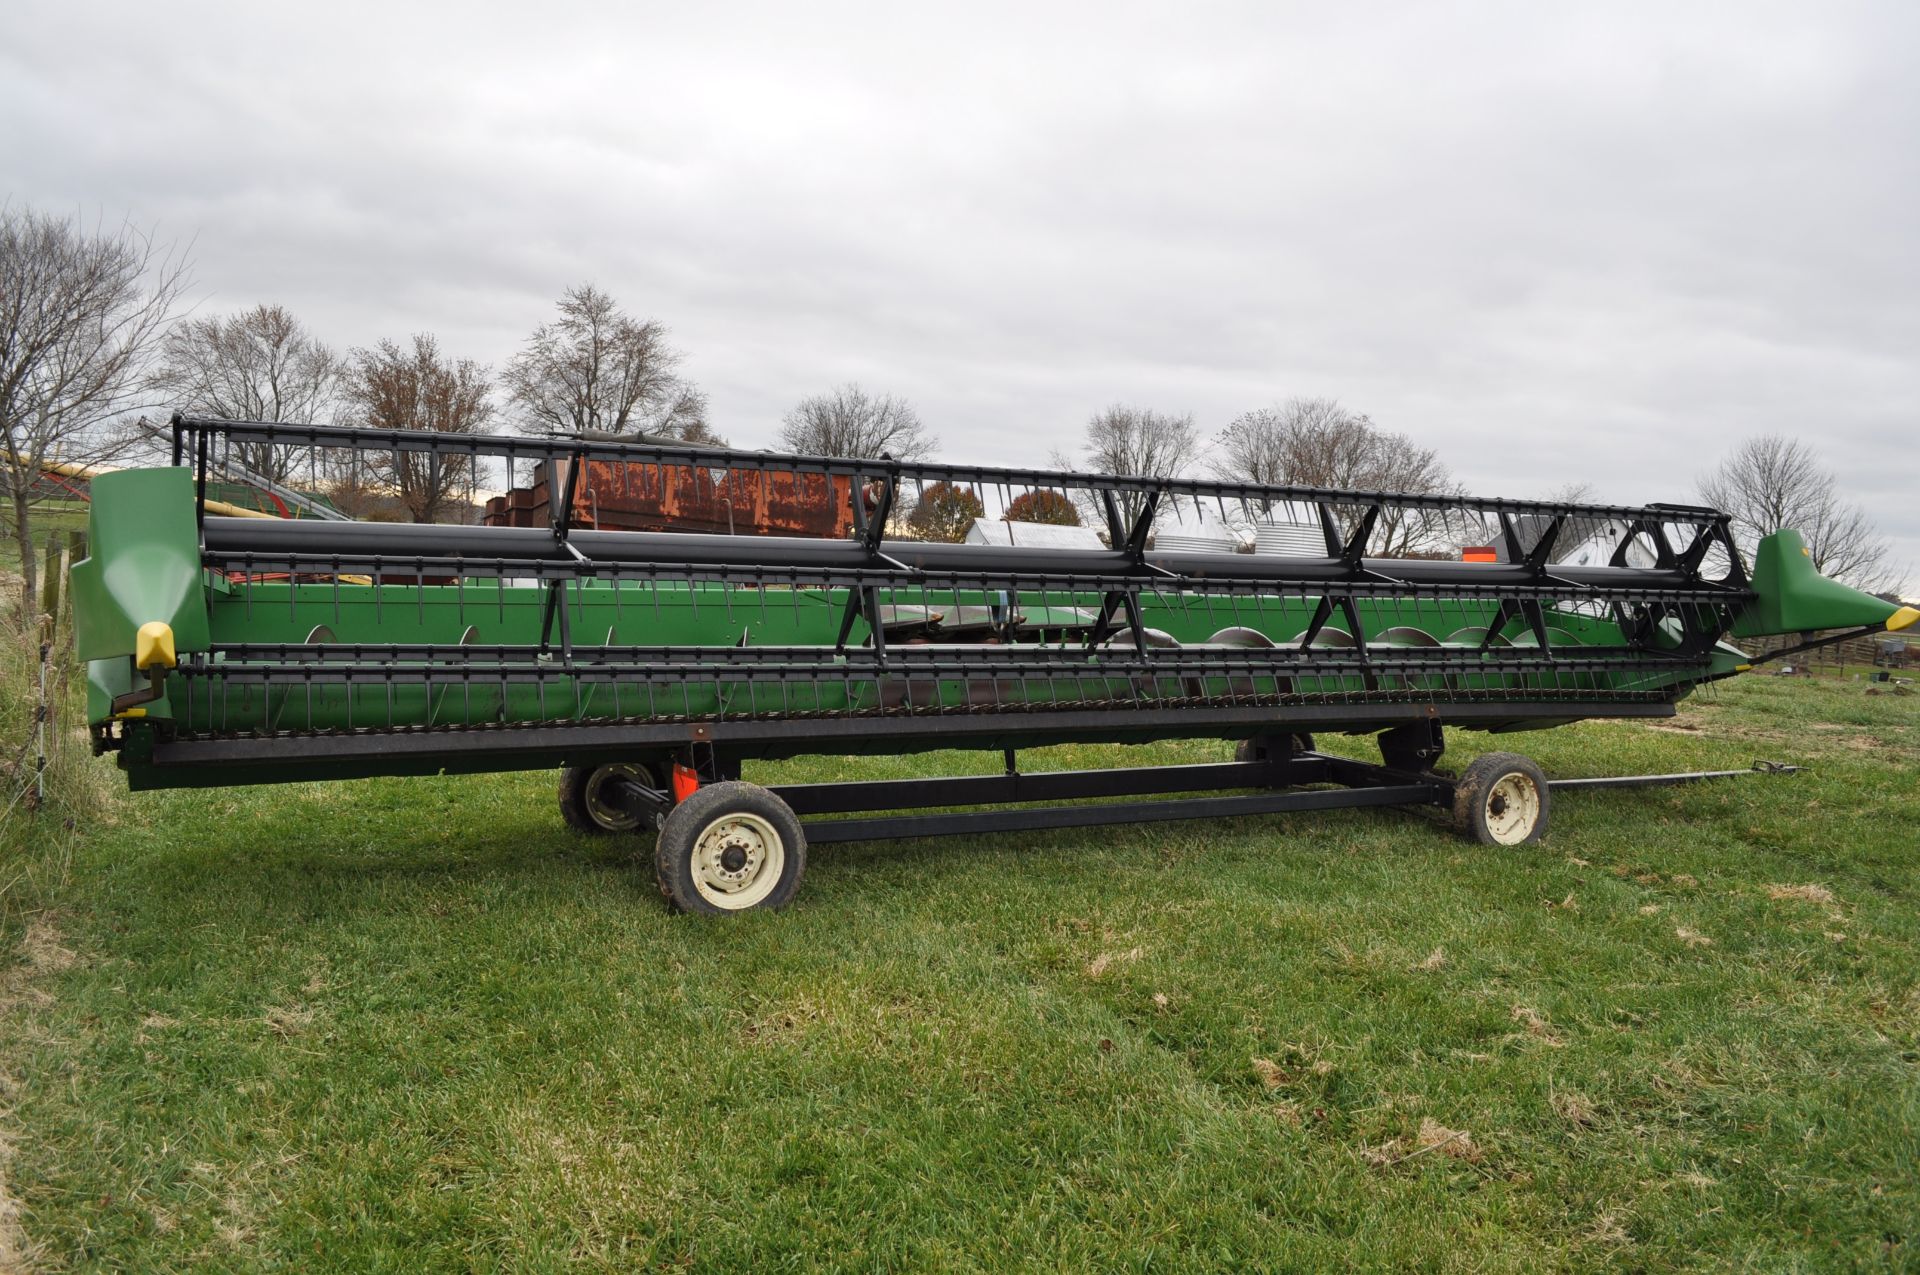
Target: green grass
(414, 1024)
(52, 519)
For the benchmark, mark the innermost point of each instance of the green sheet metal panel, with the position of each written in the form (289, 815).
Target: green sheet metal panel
(143, 564)
(1791, 596)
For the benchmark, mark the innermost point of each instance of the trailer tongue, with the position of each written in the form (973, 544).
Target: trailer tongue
(649, 665)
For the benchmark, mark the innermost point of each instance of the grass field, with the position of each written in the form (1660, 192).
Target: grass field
(411, 1024)
(52, 519)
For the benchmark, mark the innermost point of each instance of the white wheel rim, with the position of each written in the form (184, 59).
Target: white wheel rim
(612, 818)
(1513, 808)
(738, 859)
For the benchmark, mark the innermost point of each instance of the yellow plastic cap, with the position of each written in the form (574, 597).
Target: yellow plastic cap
(1902, 618)
(153, 646)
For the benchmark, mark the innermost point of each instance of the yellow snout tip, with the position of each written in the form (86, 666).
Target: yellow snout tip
(1902, 618)
(153, 646)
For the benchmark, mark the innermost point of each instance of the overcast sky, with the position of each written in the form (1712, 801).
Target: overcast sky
(1555, 247)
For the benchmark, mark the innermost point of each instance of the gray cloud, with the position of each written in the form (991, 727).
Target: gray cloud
(1601, 246)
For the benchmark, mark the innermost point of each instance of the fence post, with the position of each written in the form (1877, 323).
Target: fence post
(42, 719)
(76, 549)
(50, 588)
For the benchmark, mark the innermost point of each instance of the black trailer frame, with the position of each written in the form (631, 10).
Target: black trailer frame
(1285, 774)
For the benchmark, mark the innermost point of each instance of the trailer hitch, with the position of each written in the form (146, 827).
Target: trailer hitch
(1680, 777)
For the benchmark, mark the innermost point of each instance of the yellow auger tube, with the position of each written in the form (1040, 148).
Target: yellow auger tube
(67, 469)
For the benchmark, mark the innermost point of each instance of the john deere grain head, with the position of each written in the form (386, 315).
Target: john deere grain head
(235, 650)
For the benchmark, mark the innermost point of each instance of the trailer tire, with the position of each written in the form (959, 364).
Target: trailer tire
(1501, 800)
(730, 847)
(583, 810)
(1261, 747)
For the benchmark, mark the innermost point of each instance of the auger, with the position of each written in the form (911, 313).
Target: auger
(651, 666)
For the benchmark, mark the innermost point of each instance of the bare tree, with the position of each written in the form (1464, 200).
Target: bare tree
(1770, 482)
(80, 311)
(698, 431)
(1574, 492)
(598, 369)
(390, 387)
(1133, 441)
(850, 422)
(259, 365)
(1315, 442)
(1275, 445)
(1137, 443)
(686, 420)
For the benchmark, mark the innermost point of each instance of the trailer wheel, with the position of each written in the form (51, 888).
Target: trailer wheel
(584, 806)
(1264, 746)
(1501, 800)
(730, 847)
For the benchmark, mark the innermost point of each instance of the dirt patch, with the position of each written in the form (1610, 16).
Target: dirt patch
(1575, 1109)
(1108, 960)
(151, 1025)
(287, 1021)
(1435, 960)
(42, 949)
(1537, 1025)
(1457, 1144)
(1607, 1229)
(1692, 938)
(1846, 736)
(1433, 1138)
(1271, 1073)
(1805, 893)
(783, 1024)
(1726, 731)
